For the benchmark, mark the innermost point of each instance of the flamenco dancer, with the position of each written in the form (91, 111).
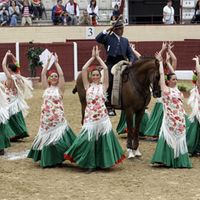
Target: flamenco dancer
(96, 146)
(171, 150)
(17, 89)
(54, 136)
(155, 121)
(193, 131)
(5, 130)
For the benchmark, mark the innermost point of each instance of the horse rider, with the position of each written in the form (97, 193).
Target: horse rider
(117, 49)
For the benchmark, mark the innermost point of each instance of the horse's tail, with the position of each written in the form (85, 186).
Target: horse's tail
(74, 90)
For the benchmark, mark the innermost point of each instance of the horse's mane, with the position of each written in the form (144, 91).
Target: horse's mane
(142, 60)
(139, 63)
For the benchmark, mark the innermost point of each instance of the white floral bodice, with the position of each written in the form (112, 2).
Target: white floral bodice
(173, 126)
(174, 111)
(52, 111)
(95, 109)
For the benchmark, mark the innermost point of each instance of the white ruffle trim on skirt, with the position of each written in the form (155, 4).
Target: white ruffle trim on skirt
(51, 136)
(97, 128)
(4, 115)
(18, 105)
(176, 141)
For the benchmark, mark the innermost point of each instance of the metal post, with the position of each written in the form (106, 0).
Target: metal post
(75, 60)
(17, 51)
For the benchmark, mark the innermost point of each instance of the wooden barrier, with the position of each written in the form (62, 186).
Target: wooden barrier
(184, 51)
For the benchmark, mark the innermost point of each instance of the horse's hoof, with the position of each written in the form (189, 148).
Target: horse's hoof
(2, 152)
(111, 112)
(130, 153)
(137, 153)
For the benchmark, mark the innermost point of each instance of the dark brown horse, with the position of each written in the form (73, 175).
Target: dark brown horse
(135, 95)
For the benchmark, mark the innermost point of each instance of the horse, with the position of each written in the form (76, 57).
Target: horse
(137, 79)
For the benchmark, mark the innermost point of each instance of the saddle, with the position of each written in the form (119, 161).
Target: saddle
(117, 70)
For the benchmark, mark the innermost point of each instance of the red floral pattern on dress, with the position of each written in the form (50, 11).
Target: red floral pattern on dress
(95, 109)
(52, 110)
(174, 111)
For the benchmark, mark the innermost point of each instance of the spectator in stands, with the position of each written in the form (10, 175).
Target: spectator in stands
(4, 16)
(58, 13)
(115, 13)
(26, 13)
(72, 10)
(4, 3)
(168, 13)
(85, 19)
(196, 17)
(19, 3)
(37, 8)
(14, 13)
(93, 10)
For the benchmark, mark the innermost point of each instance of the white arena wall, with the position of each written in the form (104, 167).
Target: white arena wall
(48, 34)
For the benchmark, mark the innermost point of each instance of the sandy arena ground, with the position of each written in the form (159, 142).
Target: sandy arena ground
(132, 180)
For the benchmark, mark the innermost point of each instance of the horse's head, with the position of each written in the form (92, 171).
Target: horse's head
(155, 80)
(142, 75)
(149, 68)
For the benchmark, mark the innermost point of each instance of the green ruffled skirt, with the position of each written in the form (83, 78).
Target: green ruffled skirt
(122, 126)
(53, 154)
(4, 136)
(165, 155)
(155, 121)
(103, 153)
(193, 137)
(18, 125)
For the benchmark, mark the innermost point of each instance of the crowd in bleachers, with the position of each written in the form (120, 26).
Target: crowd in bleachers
(70, 14)
(24, 12)
(66, 12)
(15, 12)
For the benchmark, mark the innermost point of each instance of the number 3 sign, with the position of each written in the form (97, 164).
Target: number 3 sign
(90, 33)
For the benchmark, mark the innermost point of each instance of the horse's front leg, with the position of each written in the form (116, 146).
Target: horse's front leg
(129, 121)
(138, 119)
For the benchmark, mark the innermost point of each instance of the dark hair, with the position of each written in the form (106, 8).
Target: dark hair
(14, 2)
(197, 5)
(13, 67)
(169, 76)
(94, 4)
(116, 6)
